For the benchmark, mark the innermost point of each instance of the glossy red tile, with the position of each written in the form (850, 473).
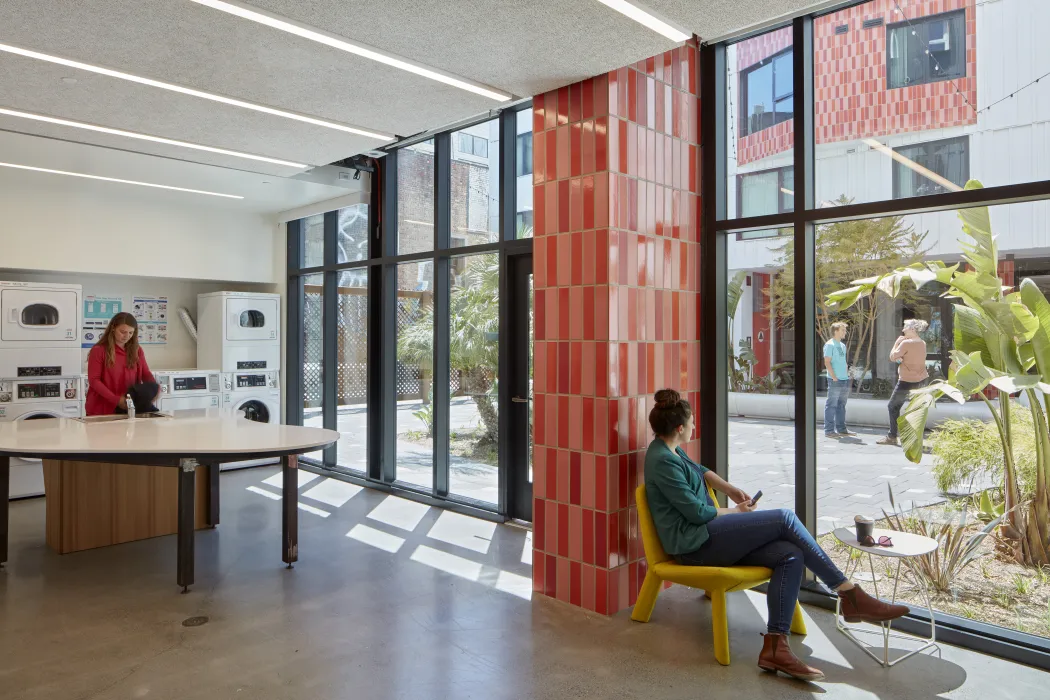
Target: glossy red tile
(668, 177)
(538, 157)
(587, 99)
(550, 513)
(650, 313)
(601, 254)
(550, 110)
(563, 259)
(650, 263)
(539, 433)
(601, 200)
(632, 153)
(601, 588)
(550, 156)
(632, 95)
(613, 93)
(587, 250)
(622, 93)
(537, 114)
(563, 320)
(587, 443)
(602, 145)
(553, 362)
(650, 102)
(563, 474)
(587, 147)
(575, 204)
(601, 316)
(563, 206)
(538, 561)
(563, 427)
(601, 95)
(576, 261)
(643, 100)
(623, 146)
(601, 482)
(563, 530)
(632, 314)
(575, 594)
(550, 215)
(563, 106)
(617, 556)
(575, 149)
(575, 102)
(563, 578)
(587, 184)
(539, 218)
(614, 428)
(564, 367)
(632, 206)
(575, 484)
(575, 362)
(552, 473)
(676, 70)
(632, 579)
(562, 153)
(588, 315)
(601, 373)
(587, 545)
(548, 582)
(624, 488)
(551, 425)
(603, 545)
(650, 369)
(539, 479)
(639, 270)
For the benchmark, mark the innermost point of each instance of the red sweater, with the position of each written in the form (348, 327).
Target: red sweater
(107, 384)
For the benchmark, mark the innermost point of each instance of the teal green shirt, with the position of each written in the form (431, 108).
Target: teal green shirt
(678, 498)
(836, 350)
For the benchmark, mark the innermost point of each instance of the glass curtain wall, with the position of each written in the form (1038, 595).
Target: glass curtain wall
(892, 160)
(403, 359)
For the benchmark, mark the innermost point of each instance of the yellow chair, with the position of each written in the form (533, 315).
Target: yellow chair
(716, 580)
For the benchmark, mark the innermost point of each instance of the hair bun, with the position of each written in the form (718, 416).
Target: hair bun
(667, 398)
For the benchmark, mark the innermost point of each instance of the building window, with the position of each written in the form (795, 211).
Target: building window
(524, 159)
(471, 145)
(926, 50)
(767, 93)
(928, 168)
(766, 192)
(523, 223)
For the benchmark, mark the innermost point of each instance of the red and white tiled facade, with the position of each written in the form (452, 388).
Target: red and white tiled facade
(616, 261)
(852, 100)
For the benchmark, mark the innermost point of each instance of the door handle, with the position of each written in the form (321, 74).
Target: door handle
(518, 399)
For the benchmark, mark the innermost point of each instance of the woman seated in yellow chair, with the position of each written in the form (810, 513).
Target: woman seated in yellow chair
(698, 533)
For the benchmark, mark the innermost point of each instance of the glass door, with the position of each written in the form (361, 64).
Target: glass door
(519, 270)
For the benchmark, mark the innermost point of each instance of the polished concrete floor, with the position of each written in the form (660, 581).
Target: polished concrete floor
(391, 600)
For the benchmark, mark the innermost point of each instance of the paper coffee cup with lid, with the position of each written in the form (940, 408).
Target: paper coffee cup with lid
(864, 525)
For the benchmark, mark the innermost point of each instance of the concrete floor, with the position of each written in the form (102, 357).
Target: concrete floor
(391, 599)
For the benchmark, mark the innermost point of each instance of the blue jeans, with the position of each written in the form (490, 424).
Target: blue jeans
(776, 540)
(835, 406)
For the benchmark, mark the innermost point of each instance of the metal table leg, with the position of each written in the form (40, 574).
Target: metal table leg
(213, 494)
(187, 488)
(290, 510)
(887, 627)
(5, 496)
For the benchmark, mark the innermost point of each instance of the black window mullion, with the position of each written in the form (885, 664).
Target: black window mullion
(293, 325)
(714, 419)
(508, 175)
(330, 342)
(805, 293)
(442, 282)
(382, 328)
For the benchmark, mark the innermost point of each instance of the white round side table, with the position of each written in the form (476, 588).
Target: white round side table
(906, 546)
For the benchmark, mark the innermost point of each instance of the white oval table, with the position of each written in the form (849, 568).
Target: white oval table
(906, 545)
(183, 440)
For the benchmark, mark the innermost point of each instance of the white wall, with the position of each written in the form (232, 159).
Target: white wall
(99, 228)
(180, 352)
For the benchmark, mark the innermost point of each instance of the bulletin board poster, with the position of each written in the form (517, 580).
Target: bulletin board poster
(152, 314)
(97, 312)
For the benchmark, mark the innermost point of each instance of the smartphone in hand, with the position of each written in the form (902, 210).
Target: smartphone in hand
(754, 499)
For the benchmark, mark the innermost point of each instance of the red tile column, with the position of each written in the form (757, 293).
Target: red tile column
(617, 212)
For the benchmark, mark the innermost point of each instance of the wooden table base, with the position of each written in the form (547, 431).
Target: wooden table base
(92, 504)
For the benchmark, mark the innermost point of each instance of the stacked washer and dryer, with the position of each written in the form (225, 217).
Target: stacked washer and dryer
(40, 364)
(240, 333)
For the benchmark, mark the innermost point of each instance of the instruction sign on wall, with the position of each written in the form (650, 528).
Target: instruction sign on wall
(97, 312)
(152, 314)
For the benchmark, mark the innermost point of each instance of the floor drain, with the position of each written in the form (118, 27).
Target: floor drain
(194, 621)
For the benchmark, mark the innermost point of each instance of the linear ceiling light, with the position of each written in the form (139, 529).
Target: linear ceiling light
(337, 42)
(912, 165)
(146, 137)
(646, 18)
(114, 179)
(190, 91)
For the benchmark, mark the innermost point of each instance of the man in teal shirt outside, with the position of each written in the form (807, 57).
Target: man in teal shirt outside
(838, 383)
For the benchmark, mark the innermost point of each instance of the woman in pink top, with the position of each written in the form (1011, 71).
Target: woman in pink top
(909, 352)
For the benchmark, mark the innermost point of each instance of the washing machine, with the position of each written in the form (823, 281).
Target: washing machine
(40, 330)
(189, 388)
(254, 396)
(36, 399)
(239, 331)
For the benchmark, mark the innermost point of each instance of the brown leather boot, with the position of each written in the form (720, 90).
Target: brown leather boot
(777, 656)
(858, 606)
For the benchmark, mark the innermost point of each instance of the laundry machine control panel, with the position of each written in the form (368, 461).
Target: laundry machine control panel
(15, 391)
(49, 371)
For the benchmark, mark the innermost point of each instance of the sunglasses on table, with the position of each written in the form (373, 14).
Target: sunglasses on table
(883, 541)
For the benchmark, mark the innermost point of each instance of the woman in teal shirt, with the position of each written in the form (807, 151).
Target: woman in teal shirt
(699, 533)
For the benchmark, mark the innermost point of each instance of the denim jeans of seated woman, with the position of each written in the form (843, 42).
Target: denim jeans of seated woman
(776, 540)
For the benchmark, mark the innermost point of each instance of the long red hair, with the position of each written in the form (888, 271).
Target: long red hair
(109, 340)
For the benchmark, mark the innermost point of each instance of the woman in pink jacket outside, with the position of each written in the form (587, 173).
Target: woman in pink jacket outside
(909, 352)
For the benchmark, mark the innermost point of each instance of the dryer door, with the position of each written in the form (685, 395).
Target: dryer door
(37, 415)
(252, 318)
(254, 409)
(38, 315)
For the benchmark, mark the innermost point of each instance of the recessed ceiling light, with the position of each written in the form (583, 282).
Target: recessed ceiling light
(147, 137)
(114, 179)
(194, 93)
(337, 42)
(69, 81)
(647, 18)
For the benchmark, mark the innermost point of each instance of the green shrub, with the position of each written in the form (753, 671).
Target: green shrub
(969, 448)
